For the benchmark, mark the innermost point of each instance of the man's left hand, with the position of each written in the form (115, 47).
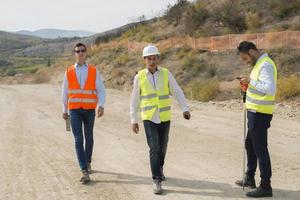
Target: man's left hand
(100, 111)
(245, 79)
(187, 115)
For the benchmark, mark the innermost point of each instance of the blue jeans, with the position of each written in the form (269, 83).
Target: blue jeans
(257, 145)
(157, 139)
(79, 117)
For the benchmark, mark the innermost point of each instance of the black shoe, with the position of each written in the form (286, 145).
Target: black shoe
(264, 190)
(249, 182)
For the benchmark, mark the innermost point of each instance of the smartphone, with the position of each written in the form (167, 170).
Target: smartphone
(68, 124)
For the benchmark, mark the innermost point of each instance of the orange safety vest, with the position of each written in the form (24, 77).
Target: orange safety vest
(85, 98)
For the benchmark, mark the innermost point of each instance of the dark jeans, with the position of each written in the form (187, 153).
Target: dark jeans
(157, 139)
(257, 145)
(79, 117)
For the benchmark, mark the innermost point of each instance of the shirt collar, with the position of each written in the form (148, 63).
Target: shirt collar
(84, 65)
(158, 69)
(262, 56)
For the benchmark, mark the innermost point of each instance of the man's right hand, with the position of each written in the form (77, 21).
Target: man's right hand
(135, 127)
(65, 116)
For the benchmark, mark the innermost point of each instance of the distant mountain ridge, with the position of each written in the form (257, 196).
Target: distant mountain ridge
(56, 33)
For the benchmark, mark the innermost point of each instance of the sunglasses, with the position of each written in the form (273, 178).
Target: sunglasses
(80, 51)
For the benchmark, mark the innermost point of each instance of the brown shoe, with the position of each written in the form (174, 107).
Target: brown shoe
(249, 182)
(85, 177)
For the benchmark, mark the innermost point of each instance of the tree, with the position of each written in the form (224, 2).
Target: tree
(48, 62)
(230, 14)
(174, 13)
(195, 15)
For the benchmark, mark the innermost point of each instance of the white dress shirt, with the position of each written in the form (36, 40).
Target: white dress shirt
(175, 90)
(266, 82)
(81, 74)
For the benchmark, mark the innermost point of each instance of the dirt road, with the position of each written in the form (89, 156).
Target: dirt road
(37, 157)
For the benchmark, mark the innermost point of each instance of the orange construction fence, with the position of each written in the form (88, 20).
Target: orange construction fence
(271, 40)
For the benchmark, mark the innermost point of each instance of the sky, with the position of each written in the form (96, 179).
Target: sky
(89, 15)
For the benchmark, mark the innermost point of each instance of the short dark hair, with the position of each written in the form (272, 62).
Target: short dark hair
(245, 46)
(79, 44)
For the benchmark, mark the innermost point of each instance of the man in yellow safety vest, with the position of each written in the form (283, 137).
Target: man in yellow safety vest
(260, 103)
(151, 96)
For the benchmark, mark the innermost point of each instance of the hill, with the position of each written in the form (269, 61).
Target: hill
(12, 41)
(56, 33)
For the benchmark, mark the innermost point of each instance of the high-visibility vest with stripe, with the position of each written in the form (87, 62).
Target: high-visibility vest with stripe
(152, 99)
(256, 100)
(85, 98)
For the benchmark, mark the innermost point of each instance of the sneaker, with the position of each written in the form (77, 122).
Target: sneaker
(157, 189)
(249, 182)
(264, 190)
(85, 177)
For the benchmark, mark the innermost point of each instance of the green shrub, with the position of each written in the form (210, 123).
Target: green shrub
(288, 87)
(140, 33)
(33, 70)
(287, 9)
(253, 21)
(229, 14)
(122, 59)
(182, 52)
(195, 15)
(287, 60)
(203, 90)
(5, 63)
(48, 62)
(192, 62)
(212, 71)
(11, 72)
(174, 13)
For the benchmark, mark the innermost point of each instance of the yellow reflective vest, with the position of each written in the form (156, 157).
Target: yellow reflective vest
(155, 98)
(256, 100)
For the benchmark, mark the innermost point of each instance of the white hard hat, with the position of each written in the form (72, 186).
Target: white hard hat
(150, 50)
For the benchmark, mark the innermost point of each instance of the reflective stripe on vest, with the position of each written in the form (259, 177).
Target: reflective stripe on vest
(150, 96)
(82, 91)
(78, 100)
(252, 90)
(151, 107)
(256, 100)
(260, 102)
(152, 99)
(86, 97)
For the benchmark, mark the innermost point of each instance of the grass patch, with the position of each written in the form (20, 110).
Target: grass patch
(122, 59)
(192, 62)
(288, 87)
(203, 90)
(26, 69)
